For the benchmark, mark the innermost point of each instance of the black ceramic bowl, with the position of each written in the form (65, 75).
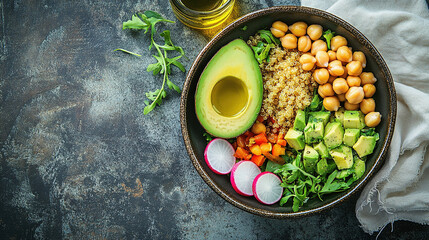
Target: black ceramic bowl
(192, 131)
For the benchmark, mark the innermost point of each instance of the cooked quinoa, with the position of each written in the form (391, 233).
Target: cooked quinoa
(287, 87)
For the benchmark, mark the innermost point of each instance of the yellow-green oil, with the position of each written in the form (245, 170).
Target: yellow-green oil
(229, 96)
(203, 5)
(207, 13)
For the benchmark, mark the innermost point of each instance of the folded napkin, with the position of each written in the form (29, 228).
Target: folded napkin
(400, 31)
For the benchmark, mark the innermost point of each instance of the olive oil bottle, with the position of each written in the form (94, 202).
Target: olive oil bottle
(202, 5)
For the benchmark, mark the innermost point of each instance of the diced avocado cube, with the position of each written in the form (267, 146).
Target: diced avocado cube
(322, 150)
(351, 136)
(321, 115)
(340, 115)
(310, 159)
(359, 168)
(295, 139)
(322, 167)
(365, 145)
(344, 173)
(342, 156)
(313, 132)
(272, 166)
(353, 119)
(299, 123)
(334, 133)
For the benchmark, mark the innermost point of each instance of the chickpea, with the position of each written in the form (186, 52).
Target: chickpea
(369, 90)
(340, 86)
(331, 78)
(326, 90)
(351, 107)
(367, 105)
(298, 29)
(344, 54)
(345, 74)
(332, 55)
(354, 68)
(322, 59)
(353, 81)
(318, 45)
(360, 56)
(372, 119)
(342, 97)
(331, 103)
(335, 68)
(277, 33)
(289, 41)
(321, 75)
(315, 31)
(307, 61)
(355, 95)
(368, 78)
(280, 26)
(337, 42)
(304, 44)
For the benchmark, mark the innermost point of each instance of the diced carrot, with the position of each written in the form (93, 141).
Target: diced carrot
(266, 147)
(258, 159)
(278, 150)
(260, 138)
(260, 119)
(242, 153)
(272, 137)
(258, 128)
(273, 158)
(255, 149)
(282, 142)
(241, 141)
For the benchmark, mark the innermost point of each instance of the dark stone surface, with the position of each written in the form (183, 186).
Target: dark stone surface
(79, 160)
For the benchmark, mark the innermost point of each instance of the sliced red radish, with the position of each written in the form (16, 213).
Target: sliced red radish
(219, 155)
(242, 175)
(266, 188)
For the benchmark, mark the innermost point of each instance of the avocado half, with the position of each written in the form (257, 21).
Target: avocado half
(229, 92)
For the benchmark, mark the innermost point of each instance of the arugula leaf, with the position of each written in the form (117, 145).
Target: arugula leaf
(208, 136)
(146, 21)
(328, 35)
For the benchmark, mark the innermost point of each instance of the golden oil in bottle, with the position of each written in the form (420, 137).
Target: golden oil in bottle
(202, 5)
(202, 14)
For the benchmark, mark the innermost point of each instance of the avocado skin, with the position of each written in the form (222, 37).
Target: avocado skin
(236, 59)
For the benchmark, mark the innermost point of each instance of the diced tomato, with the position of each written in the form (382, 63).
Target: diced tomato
(272, 120)
(234, 145)
(258, 159)
(260, 119)
(248, 134)
(255, 149)
(272, 137)
(266, 147)
(278, 150)
(260, 138)
(241, 141)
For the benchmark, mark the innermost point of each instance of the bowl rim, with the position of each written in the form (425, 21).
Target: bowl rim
(391, 118)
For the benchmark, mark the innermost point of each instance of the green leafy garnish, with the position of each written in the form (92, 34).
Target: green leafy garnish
(244, 28)
(146, 21)
(208, 137)
(262, 48)
(328, 35)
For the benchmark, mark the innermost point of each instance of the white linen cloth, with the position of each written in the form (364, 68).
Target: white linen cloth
(400, 31)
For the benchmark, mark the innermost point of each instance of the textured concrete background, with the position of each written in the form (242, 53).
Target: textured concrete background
(79, 160)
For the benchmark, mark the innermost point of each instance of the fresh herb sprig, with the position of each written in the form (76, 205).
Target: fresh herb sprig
(262, 48)
(328, 35)
(146, 21)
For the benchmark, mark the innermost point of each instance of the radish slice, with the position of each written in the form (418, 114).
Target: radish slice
(219, 155)
(266, 188)
(242, 175)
